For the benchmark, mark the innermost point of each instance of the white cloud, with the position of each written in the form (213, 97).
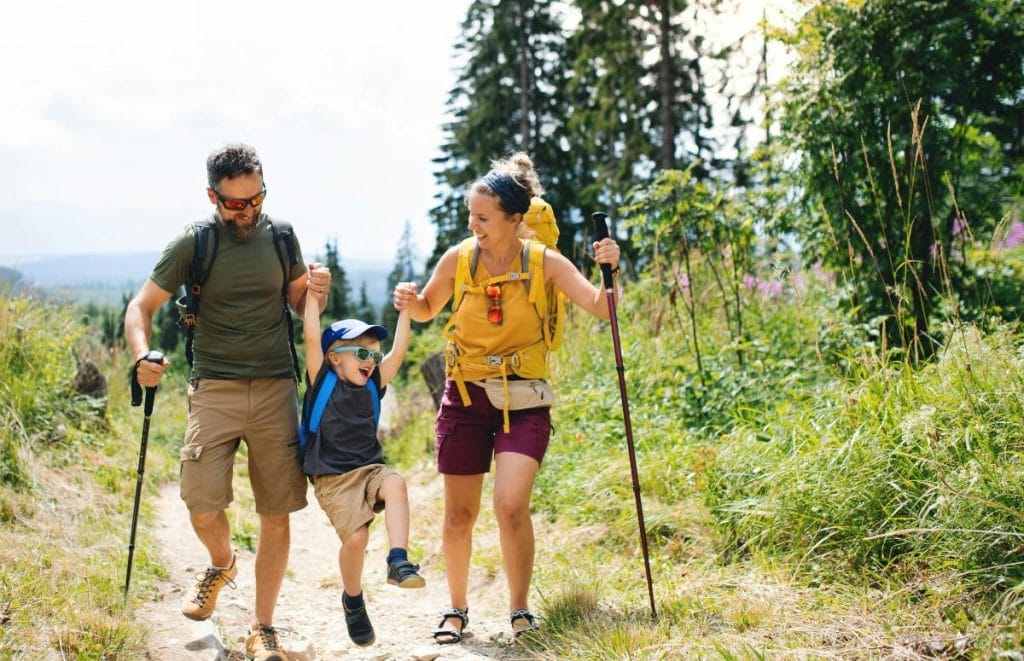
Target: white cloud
(112, 107)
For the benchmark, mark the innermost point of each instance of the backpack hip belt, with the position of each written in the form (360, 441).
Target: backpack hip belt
(528, 363)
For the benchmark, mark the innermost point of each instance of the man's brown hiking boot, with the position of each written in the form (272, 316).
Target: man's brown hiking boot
(201, 597)
(262, 644)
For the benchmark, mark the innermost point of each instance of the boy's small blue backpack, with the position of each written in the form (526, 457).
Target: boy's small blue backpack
(316, 399)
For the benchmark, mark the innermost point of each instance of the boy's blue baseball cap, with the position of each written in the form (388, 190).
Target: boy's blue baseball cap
(348, 329)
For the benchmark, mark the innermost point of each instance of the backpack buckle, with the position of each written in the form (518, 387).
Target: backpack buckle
(515, 276)
(496, 361)
(188, 319)
(196, 290)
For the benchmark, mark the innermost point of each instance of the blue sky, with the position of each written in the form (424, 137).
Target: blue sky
(111, 108)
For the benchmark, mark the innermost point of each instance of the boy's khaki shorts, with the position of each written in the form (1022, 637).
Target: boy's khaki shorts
(221, 413)
(350, 500)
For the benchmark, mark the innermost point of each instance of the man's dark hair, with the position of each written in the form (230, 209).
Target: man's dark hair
(231, 161)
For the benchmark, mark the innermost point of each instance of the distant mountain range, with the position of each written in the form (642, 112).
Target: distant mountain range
(104, 278)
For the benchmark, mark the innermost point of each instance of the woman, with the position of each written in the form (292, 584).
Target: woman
(496, 348)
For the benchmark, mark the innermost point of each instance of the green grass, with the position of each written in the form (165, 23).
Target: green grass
(67, 479)
(894, 468)
(883, 501)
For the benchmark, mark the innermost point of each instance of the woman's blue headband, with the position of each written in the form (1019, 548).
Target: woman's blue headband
(514, 198)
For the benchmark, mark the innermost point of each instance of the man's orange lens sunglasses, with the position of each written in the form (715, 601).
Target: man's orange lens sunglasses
(240, 203)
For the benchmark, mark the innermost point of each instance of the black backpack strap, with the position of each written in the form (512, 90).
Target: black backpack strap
(283, 234)
(198, 272)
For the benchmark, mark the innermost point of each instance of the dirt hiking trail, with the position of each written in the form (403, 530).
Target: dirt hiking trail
(310, 601)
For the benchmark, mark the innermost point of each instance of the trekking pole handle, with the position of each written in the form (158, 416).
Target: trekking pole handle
(601, 232)
(151, 357)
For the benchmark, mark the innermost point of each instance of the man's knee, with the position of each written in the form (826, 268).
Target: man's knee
(206, 520)
(273, 523)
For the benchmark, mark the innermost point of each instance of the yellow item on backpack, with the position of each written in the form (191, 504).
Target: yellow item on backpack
(529, 362)
(540, 219)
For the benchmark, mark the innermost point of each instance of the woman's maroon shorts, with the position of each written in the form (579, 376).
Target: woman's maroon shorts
(468, 436)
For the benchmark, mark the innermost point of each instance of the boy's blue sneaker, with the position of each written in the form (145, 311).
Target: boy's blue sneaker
(404, 574)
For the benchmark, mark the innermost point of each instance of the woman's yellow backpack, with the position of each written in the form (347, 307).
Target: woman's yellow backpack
(547, 300)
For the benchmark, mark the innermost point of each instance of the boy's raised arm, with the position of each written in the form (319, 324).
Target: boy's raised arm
(389, 366)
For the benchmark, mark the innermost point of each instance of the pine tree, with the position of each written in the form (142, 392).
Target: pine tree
(639, 95)
(338, 303)
(364, 309)
(611, 129)
(404, 270)
(507, 98)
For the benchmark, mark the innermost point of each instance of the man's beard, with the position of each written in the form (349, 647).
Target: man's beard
(241, 232)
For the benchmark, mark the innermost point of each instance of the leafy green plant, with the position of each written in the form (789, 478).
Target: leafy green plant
(893, 468)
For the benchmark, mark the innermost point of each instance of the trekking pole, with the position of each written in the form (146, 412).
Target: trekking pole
(152, 357)
(601, 232)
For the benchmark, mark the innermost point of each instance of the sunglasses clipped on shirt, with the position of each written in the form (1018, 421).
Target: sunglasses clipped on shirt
(240, 203)
(494, 310)
(362, 353)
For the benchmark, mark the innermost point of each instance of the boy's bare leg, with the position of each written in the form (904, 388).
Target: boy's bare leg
(350, 560)
(396, 510)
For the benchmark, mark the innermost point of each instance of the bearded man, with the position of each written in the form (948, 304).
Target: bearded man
(242, 384)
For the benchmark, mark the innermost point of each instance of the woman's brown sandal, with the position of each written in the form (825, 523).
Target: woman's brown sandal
(445, 635)
(522, 614)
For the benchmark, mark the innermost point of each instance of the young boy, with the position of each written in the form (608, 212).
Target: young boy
(344, 457)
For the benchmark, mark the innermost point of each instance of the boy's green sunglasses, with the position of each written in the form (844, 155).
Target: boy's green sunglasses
(362, 353)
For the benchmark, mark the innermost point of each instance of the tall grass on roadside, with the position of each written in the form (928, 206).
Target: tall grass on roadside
(37, 364)
(66, 485)
(921, 469)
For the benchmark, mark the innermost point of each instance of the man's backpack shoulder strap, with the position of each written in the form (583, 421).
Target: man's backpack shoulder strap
(284, 238)
(206, 240)
(284, 245)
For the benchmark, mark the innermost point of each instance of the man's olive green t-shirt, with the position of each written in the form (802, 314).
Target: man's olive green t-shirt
(240, 325)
